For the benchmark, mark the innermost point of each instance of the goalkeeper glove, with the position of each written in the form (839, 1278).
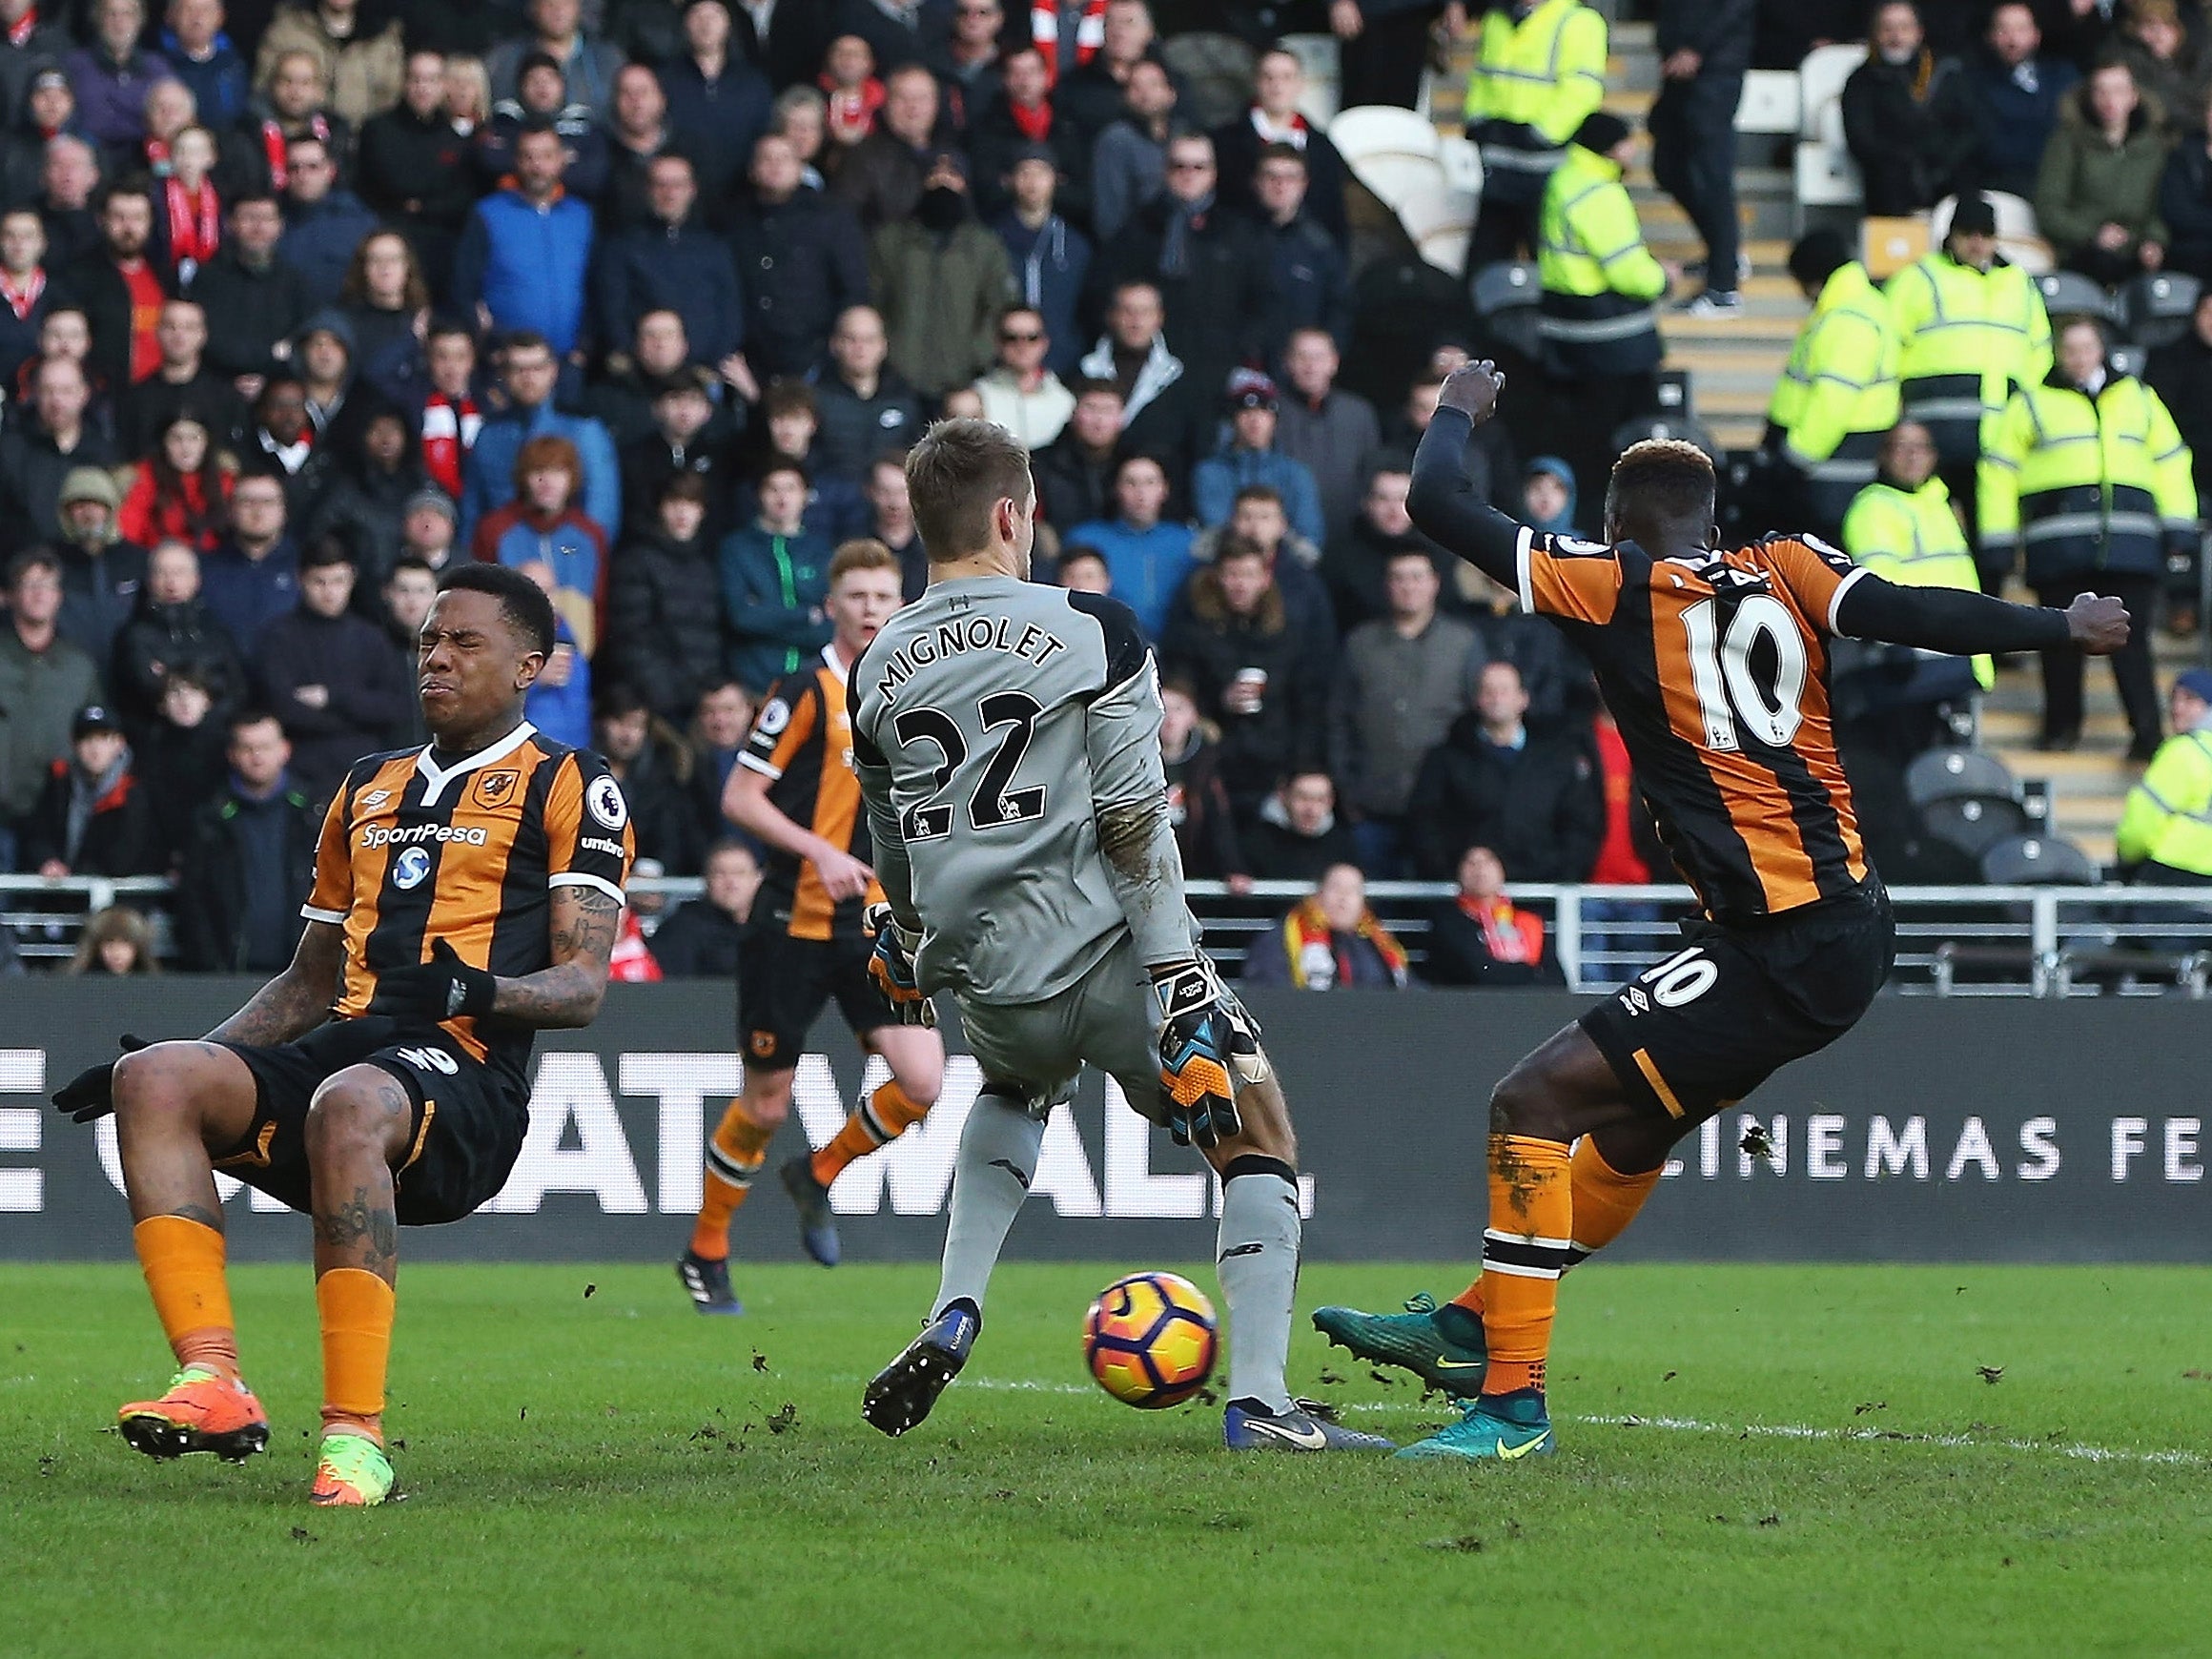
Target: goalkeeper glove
(92, 1093)
(891, 967)
(1203, 1032)
(434, 992)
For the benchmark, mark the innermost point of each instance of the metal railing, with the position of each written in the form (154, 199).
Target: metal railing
(1951, 941)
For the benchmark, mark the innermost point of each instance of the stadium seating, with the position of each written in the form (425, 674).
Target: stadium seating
(2157, 309)
(2039, 861)
(1772, 102)
(2070, 294)
(1506, 298)
(1826, 175)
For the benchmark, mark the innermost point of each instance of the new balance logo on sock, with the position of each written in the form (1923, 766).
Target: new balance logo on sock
(1240, 1250)
(1010, 1168)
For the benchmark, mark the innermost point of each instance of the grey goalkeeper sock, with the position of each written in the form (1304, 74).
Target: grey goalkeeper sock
(1257, 1258)
(998, 1156)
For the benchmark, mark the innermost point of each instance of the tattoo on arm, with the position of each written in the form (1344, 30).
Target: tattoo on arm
(584, 924)
(298, 999)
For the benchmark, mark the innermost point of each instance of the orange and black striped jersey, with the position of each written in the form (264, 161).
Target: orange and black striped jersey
(413, 852)
(1716, 669)
(802, 741)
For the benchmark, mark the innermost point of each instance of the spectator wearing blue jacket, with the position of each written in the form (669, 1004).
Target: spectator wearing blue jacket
(775, 580)
(1250, 458)
(1049, 258)
(560, 704)
(672, 262)
(487, 477)
(253, 577)
(323, 224)
(201, 56)
(1147, 561)
(2015, 93)
(526, 250)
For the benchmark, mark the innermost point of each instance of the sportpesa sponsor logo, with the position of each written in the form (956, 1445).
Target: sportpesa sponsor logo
(377, 835)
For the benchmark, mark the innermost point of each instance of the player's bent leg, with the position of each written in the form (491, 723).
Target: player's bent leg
(735, 1153)
(998, 1159)
(359, 1128)
(175, 1105)
(916, 1058)
(1565, 1090)
(1256, 1258)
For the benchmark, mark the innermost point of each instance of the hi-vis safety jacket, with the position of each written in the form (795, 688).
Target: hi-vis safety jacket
(1838, 395)
(2086, 483)
(1912, 538)
(1537, 78)
(2168, 817)
(1965, 338)
(1599, 278)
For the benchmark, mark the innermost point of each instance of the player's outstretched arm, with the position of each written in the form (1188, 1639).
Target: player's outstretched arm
(1962, 624)
(1443, 504)
(298, 999)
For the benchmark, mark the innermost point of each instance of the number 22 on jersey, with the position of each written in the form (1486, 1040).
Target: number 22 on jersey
(994, 801)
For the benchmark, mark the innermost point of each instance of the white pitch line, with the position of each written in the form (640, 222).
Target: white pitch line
(2094, 1454)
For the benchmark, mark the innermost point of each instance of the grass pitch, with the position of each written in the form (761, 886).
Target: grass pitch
(591, 1468)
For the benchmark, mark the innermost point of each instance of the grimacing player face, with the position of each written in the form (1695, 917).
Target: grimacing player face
(473, 665)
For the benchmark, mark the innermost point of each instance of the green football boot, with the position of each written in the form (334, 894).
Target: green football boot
(1505, 1427)
(1440, 1345)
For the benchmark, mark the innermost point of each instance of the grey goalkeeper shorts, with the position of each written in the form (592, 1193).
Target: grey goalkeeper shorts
(1108, 1019)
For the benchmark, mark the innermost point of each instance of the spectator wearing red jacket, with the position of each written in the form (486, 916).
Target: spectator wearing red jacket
(182, 492)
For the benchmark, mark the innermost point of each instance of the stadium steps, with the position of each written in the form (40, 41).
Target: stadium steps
(2089, 786)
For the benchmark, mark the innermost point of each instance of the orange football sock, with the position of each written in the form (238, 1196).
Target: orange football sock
(876, 1121)
(357, 1308)
(183, 1262)
(1524, 1253)
(733, 1158)
(1605, 1199)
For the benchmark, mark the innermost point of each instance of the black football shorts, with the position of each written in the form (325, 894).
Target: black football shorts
(783, 985)
(470, 1118)
(1703, 1028)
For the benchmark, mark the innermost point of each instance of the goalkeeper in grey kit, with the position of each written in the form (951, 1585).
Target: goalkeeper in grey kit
(1007, 739)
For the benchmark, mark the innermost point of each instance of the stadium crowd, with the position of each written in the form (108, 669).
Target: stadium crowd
(648, 298)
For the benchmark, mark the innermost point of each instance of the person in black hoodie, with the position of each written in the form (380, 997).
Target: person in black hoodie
(664, 606)
(329, 674)
(1255, 675)
(252, 854)
(174, 630)
(1297, 834)
(1536, 801)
